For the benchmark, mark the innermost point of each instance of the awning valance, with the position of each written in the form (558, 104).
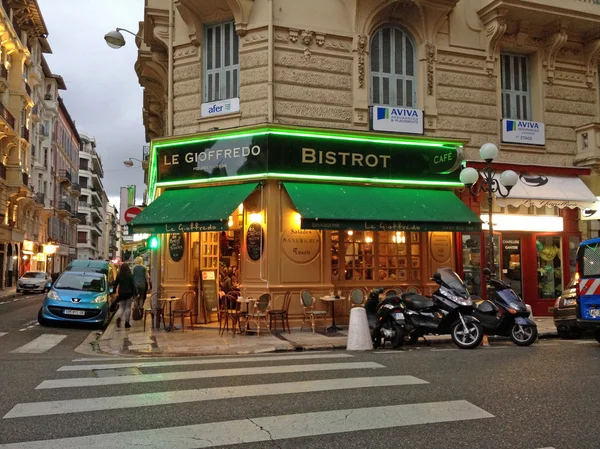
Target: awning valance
(191, 210)
(548, 191)
(333, 207)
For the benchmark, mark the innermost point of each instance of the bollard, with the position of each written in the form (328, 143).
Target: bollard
(359, 335)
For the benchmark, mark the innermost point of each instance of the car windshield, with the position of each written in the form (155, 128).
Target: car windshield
(91, 282)
(453, 281)
(34, 275)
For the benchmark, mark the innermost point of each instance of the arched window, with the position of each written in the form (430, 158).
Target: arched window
(393, 67)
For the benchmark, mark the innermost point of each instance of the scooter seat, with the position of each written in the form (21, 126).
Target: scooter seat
(417, 302)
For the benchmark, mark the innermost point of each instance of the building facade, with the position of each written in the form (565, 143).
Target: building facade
(91, 231)
(112, 234)
(425, 74)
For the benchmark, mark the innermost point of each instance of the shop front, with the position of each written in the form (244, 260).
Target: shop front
(536, 234)
(281, 209)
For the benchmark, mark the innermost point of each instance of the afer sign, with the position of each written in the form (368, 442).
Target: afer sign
(397, 120)
(220, 107)
(523, 132)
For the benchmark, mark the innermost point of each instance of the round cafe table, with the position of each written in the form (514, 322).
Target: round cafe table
(246, 301)
(333, 328)
(170, 301)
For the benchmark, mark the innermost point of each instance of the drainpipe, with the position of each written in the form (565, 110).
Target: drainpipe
(270, 100)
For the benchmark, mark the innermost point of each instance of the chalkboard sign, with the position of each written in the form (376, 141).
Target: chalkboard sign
(255, 241)
(176, 246)
(208, 283)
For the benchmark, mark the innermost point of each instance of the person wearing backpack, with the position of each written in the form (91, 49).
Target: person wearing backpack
(126, 291)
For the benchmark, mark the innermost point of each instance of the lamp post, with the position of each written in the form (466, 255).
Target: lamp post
(129, 162)
(490, 185)
(115, 39)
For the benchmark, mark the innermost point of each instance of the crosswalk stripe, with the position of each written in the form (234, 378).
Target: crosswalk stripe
(203, 394)
(41, 344)
(161, 377)
(268, 428)
(2, 334)
(141, 357)
(141, 364)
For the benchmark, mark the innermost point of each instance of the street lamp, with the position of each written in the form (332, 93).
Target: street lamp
(129, 162)
(115, 39)
(490, 185)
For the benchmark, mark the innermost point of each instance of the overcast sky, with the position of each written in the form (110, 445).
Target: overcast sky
(103, 95)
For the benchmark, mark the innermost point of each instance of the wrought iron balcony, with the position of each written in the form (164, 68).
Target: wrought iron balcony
(76, 187)
(64, 175)
(63, 205)
(84, 204)
(7, 116)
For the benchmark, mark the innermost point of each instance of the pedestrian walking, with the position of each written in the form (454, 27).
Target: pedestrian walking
(126, 290)
(140, 277)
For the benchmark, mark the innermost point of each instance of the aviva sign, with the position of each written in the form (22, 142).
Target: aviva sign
(523, 132)
(397, 120)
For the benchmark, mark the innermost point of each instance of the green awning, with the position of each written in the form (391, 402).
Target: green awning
(331, 206)
(191, 210)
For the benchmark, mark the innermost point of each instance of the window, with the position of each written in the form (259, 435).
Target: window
(82, 237)
(221, 62)
(516, 91)
(393, 66)
(83, 164)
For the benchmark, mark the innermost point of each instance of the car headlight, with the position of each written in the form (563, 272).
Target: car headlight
(53, 295)
(99, 299)
(570, 301)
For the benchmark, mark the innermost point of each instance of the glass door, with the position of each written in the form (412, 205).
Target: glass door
(549, 268)
(511, 263)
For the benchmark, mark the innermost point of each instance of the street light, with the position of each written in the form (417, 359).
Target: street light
(129, 162)
(490, 185)
(115, 39)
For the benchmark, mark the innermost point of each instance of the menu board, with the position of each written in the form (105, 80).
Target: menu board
(176, 246)
(255, 241)
(208, 284)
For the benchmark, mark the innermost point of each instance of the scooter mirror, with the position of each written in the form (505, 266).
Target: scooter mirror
(487, 271)
(437, 277)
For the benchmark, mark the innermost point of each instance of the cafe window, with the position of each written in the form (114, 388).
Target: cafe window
(393, 68)
(221, 65)
(516, 90)
(549, 266)
(376, 256)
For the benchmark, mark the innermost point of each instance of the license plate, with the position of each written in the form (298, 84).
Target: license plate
(74, 312)
(595, 313)
(28, 286)
(398, 316)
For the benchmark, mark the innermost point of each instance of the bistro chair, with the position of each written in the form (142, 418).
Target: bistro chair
(156, 313)
(413, 289)
(357, 297)
(187, 301)
(391, 292)
(234, 313)
(281, 313)
(225, 310)
(261, 311)
(308, 304)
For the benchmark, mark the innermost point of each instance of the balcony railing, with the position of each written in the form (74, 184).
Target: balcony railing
(64, 175)
(84, 204)
(63, 205)
(6, 115)
(76, 187)
(25, 133)
(2, 171)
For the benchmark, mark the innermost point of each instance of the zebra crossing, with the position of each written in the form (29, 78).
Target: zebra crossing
(38, 345)
(131, 384)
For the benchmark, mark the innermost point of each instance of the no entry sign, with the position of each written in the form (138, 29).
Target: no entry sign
(131, 213)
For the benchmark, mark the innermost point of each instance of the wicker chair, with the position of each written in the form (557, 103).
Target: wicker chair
(261, 311)
(281, 313)
(156, 313)
(308, 303)
(357, 297)
(187, 300)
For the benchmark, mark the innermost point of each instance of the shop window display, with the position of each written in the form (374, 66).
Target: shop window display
(471, 245)
(549, 266)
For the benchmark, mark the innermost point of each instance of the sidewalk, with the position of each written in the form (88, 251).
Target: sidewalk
(9, 293)
(205, 340)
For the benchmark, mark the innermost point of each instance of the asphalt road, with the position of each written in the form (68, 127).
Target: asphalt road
(497, 397)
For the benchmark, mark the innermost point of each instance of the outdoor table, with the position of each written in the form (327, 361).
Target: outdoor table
(170, 301)
(246, 301)
(333, 328)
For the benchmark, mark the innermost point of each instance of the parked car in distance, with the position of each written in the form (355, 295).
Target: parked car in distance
(565, 312)
(78, 296)
(34, 281)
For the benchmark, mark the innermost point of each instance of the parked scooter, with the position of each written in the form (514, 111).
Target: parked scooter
(386, 319)
(448, 311)
(505, 313)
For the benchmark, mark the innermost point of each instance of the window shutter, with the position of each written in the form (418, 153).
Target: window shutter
(516, 92)
(221, 62)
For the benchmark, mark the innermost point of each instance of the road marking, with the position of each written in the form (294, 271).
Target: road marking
(29, 325)
(41, 344)
(203, 394)
(13, 300)
(2, 334)
(244, 431)
(184, 375)
(142, 357)
(202, 362)
(443, 350)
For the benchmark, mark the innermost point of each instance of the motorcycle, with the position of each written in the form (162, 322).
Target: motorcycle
(386, 319)
(448, 311)
(505, 313)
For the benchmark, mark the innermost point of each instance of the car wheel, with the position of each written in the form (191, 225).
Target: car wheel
(569, 334)
(41, 319)
(597, 335)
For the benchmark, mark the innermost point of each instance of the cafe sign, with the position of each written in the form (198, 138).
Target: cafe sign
(301, 245)
(322, 155)
(412, 226)
(174, 228)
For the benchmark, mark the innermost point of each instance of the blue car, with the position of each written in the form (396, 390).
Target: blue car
(588, 287)
(78, 296)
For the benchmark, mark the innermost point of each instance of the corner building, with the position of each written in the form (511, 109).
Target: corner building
(317, 145)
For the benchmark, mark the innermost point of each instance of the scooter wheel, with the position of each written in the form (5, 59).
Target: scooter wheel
(523, 335)
(376, 337)
(398, 338)
(468, 336)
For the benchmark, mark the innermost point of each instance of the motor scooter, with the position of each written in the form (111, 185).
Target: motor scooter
(386, 319)
(504, 313)
(448, 311)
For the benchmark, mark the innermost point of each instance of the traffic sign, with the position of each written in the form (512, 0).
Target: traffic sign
(131, 213)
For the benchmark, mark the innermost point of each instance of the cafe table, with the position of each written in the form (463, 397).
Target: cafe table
(170, 301)
(332, 299)
(246, 301)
